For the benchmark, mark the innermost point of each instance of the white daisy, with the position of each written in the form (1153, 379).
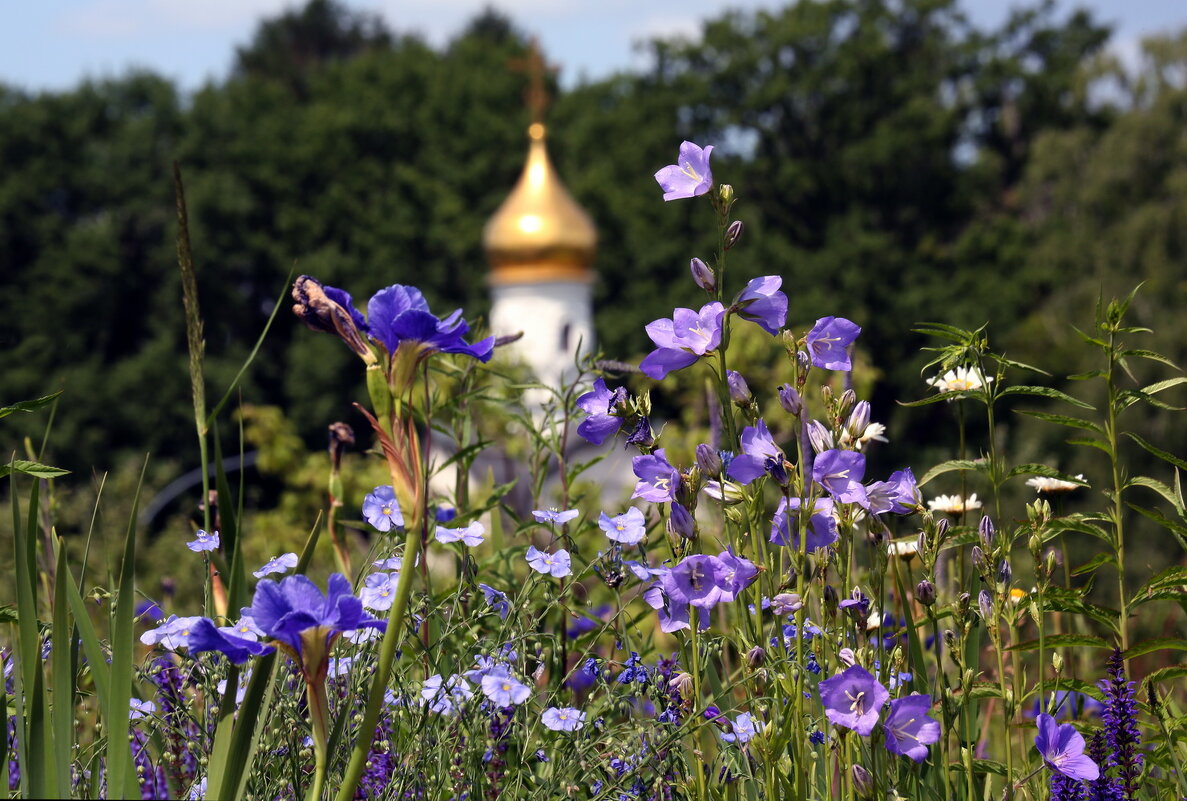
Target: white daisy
(1044, 484)
(954, 504)
(961, 379)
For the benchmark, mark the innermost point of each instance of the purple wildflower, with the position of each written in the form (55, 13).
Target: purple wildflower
(696, 581)
(1121, 725)
(496, 600)
(382, 510)
(759, 455)
(658, 480)
(379, 591)
(840, 473)
(557, 565)
(554, 516)
(1102, 788)
(505, 690)
(689, 176)
(899, 494)
(853, 699)
(206, 637)
(822, 526)
(735, 573)
(471, 535)
(909, 730)
(279, 564)
(563, 718)
(399, 317)
(600, 403)
(174, 633)
(683, 339)
(203, 542)
(829, 340)
(1062, 748)
(628, 528)
(761, 302)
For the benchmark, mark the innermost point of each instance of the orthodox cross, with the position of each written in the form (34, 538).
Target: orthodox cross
(536, 68)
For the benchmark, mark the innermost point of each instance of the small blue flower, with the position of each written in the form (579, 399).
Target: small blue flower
(382, 510)
(496, 600)
(558, 564)
(471, 535)
(203, 542)
(554, 516)
(280, 564)
(563, 718)
(742, 730)
(505, 690)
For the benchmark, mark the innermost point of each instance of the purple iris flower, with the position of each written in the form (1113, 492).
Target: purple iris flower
(206, 637)
(382, 510)
(557, 565)
(400, 314)
(599, 403)
(829, 341)
(554, 516)
(761, 302)
(840, 473)
(822, 526)
(853, 699)
(658, 480)
(279, 564)
(203, 542)
(759, 455)
(683, 339)
(898, 494)
(689, 176)
(303, 621)
(909, 730)
(563, 718)
(1062, 748)
(628, 528)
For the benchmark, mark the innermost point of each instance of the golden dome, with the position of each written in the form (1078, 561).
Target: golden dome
(539, 233)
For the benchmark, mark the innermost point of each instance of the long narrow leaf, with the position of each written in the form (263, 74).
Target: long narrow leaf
(62, 666)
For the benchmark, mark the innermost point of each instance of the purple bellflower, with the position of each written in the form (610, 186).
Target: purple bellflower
(399, 316)
(909, 730)
(840, 473)
(599, 403)
(853, 699)
(762, 303)
(696, 581)
(734, 574)
(203, 542)
(382, 510)
(673, 609)
(899, 494)
(683, 339)
(557, 565)
(628, 528)
(689, 176)
(829, 341)
(759, 455)
(658, 480)
(1062, 748)
(822, 526)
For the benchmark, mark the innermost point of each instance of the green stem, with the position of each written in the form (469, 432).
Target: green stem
(319, 713)
(1118, 507)
(696, 703)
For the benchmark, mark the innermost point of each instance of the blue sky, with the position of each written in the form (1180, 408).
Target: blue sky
(53, 44)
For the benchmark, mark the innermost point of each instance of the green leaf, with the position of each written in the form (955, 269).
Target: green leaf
(1063, 420)
(1173, 578)
(1045, 472)
(1158, 386)
(1045, 392)
(1162, 674)
(1156, 644)
(1141, 353)
(1162, 489)
(62, 668)
(1093, 443)
(1004, 362)
(1092, 564)
(1063, 641)
(29, 405)
(1058, 599)
(35, 469)
(1156, 451)
(941, 396)
(984, 689)
(953, 464)
(8, 614)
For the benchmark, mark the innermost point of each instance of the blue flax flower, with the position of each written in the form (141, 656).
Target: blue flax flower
(600, 403)
(829, 341)
(689, 176)
(203, 542)
(382, 510)
(628, 528)
(279, 564)
(555, 516)
(741, 730)
(563, 718)
(496, 600)
(683, 339)
(557, 565)
(1062, 748)
(505, 690)
(471, 535)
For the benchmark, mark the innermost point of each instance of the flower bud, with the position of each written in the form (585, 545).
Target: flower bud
(921, 544)
(985, 604)
(1057, 662)
(848, 398)
(987, 531)
(863, 782)
(739, 391)
(803, 361)
(341, 435)
(858, 420)
(733, 233)
(963, 602)
(979, 561)
(790, 400)
(925, 593)
(785, 603)
(950, 639)
(708, 460)
(641, 434)
(942, 530)
(755, 657)
(819, 436)
(702, 275)
(830, 600)
(1004, 573)
(726, 193)
(682, 683)
(847, 657)
(681, 522)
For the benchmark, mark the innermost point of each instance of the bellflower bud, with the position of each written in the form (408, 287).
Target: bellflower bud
(963, 602)
(820, 437)
(681, 522)
(682, 683)
(733, 233)
(830, 600)
(987, 531)
(1004, 573)
(755, 657)
(803, 361)
(708, 460)
(985, 604)
(925, 592)
(858, 420)
(739, 391)
(702, 275)
(848, 398)
(847, 657)
(942, 530)
(726, 193)
(790, 400)
(980, 562)
(863, 782)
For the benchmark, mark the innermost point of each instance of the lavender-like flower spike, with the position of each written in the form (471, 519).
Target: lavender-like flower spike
(1102, 788)
(1121, 726)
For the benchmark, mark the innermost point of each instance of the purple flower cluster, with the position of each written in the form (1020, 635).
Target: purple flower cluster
(854, 699)
(698, 582)
(1121, 727)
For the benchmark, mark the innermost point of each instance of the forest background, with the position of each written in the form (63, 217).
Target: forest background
(895, 164)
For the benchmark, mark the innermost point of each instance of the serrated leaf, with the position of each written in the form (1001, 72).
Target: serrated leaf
(1045, 392)
(1158, 386)
(1130, 397)
(1152, 483)
(1063, 641)
(1141, 353)
(941, 396)
(28, 468)
(1162, 674)
(1154, 450)
(1004, 362)
(1084, 527)
(953, 464)
(1092, 443)
(29, 405)
(1156, 644)
(1092, 564)
(1061, 600)
(1063, 420)
(1172, 578)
